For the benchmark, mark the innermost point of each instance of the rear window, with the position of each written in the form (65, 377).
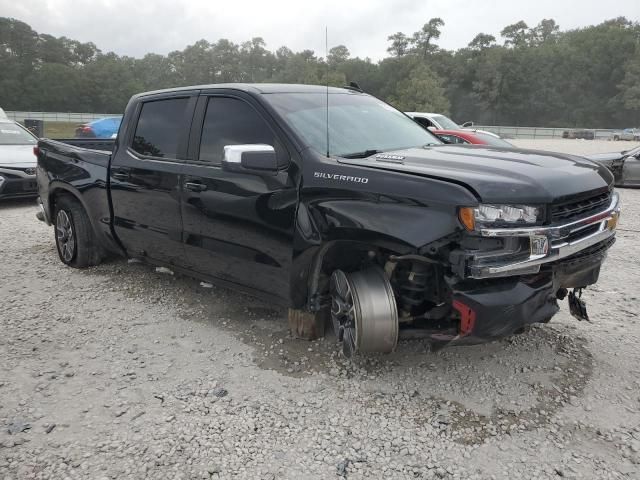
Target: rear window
(159, 128)
(12, 134)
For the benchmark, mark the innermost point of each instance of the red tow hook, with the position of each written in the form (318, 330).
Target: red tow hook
(467, 318)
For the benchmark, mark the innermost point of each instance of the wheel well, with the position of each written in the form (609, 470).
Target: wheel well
(418, 281)
(344, 255)
(55, 196)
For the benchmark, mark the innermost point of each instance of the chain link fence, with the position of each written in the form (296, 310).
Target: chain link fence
(59, 116)
(549, 133)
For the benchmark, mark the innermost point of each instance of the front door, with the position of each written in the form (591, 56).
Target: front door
(146, 180)
(238, 227)
(631, 171)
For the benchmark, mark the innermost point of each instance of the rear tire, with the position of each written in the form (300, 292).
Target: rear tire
(75, 238)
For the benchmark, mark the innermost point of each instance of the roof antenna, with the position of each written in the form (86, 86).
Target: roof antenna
(326, 54)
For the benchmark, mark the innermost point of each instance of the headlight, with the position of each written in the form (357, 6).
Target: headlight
(1, 181)
(499, 215)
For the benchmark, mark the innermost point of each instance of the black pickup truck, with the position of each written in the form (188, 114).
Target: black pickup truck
(338, 206)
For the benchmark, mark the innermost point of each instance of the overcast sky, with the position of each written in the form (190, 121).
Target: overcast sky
(136, 27)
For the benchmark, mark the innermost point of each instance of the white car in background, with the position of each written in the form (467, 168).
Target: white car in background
(17, 160)
(437, 121)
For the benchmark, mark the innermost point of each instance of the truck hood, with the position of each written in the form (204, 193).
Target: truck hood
(498, 175)
(17, 156)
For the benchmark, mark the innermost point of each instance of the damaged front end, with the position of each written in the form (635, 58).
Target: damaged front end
(474, 286)
(509, 277)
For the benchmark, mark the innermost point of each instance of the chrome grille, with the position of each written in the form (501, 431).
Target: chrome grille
(581, 208)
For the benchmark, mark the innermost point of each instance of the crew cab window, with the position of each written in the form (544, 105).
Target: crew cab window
(159, 128)
(231, 121)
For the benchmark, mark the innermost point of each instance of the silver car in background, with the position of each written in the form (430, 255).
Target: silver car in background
(625, 166)
(17, 160)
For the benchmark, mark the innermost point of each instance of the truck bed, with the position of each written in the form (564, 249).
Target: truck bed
(83, 173)
(103, 144)
(95, 152)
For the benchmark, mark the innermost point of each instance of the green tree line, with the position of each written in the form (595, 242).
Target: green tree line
(536, 76)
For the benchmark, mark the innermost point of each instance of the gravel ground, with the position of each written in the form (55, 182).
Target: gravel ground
(122, 372)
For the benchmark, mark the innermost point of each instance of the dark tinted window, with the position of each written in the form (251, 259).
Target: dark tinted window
(230, 121)
(159, 127)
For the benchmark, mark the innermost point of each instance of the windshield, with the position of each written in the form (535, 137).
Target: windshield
(445, 122)
(12, 134)
(494, 141)
(357, 123)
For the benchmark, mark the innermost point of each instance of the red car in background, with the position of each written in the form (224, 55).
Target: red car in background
(472, 137)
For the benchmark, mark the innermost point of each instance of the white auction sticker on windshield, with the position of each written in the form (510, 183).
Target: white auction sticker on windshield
(15, 132)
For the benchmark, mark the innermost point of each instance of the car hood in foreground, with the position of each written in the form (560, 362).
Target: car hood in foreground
(17, 156)
(499, 174)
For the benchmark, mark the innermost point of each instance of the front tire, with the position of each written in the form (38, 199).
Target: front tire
(363, 311)
(75, 239)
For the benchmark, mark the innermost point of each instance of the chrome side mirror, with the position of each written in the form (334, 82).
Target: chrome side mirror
(250, 158)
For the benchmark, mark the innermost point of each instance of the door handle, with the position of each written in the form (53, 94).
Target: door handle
(195, 186)
(122, 176)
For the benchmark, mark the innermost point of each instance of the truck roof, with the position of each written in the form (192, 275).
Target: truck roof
(257, 88)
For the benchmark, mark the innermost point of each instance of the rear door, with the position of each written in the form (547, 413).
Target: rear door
(146, 178)
(238, 227)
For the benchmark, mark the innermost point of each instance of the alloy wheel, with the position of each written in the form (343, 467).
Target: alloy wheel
(65, 236)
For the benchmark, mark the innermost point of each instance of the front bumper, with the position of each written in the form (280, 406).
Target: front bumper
(41, 214)
(498, 309)
(545, 244)
(17, 184)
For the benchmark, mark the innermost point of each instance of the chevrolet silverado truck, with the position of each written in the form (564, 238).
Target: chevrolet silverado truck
(339, 207)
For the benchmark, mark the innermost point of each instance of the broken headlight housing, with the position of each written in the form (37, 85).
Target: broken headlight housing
(492, 215)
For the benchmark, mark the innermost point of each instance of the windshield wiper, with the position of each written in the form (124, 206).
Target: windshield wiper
(363, 154)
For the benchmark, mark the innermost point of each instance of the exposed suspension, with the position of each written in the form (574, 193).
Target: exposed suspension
(411, 281)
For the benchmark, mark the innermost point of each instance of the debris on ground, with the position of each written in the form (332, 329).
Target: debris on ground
(164, 270)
